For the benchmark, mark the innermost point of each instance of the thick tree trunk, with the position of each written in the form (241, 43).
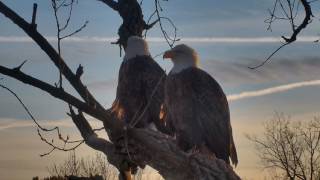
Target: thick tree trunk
(160, 152)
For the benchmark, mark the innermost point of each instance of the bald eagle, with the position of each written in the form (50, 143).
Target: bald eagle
(140, 90)
(196, 107)
(140, 93)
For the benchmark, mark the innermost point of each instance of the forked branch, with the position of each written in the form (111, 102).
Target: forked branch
(52, 53)
(66, 141)
(290, 10)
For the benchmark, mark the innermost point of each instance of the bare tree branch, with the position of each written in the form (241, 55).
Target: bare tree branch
(289, 16)
(76, 31)
(269, 57)
(50, 51)
(112, 4)
(133, 22)
(39, 127)
(57, 93)
(291, 147)
(92, 140)
(305, 22)
(56, 6)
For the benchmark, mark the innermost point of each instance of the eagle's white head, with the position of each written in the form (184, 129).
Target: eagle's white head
(182, 57)
(136, 46)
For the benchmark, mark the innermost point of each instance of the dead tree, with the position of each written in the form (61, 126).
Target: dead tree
(150, 148)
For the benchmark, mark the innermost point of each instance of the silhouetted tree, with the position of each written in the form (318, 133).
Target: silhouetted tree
(291, 148)
(83, 167)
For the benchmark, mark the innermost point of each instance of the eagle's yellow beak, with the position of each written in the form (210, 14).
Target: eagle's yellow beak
(168, 54)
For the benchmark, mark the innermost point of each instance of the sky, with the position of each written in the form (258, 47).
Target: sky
(228, 36)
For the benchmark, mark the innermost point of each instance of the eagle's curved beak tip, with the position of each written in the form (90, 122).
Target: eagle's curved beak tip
(168, 55)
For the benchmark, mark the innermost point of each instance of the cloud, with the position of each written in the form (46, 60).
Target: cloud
(242, 39)
(93, 39)
(67, 123)
(279, 70)
(272, 90)
(15, 123)
(103, 85)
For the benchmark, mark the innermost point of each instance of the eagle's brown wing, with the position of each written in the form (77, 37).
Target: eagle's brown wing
(138, 78)
(199, 112)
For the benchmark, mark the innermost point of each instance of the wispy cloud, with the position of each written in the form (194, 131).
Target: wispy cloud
(103, 85)
(15, 123)
(272, 90)
(279, 70)
(242, 39)
(92, 39)
(8, 123)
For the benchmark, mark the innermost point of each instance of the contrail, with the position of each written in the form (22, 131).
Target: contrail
(93, 39)
(6, 124)
(11, 124)
(232, 97)
(14, 125)
(276, 89)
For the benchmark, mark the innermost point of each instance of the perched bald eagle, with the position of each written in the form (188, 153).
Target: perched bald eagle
(140, 93)
(196, 107)
(140, 90)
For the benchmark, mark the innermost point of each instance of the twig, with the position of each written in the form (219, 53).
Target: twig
(54, 147)
(34, 15)
(290, 16)
(305, 22)
(170, 41)
(19, 67)
(148, 21)
(138, 119)
(76, 31)
(65, 141)
(56, 7)
(55, 92)
(269, 57)
(52, 53)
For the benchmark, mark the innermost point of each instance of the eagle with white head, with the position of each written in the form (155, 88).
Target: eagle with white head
(136, 46)
(196, 107)
(140, 90)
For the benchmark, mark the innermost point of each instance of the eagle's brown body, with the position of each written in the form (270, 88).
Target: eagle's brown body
(140, 84)
(197, 110)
